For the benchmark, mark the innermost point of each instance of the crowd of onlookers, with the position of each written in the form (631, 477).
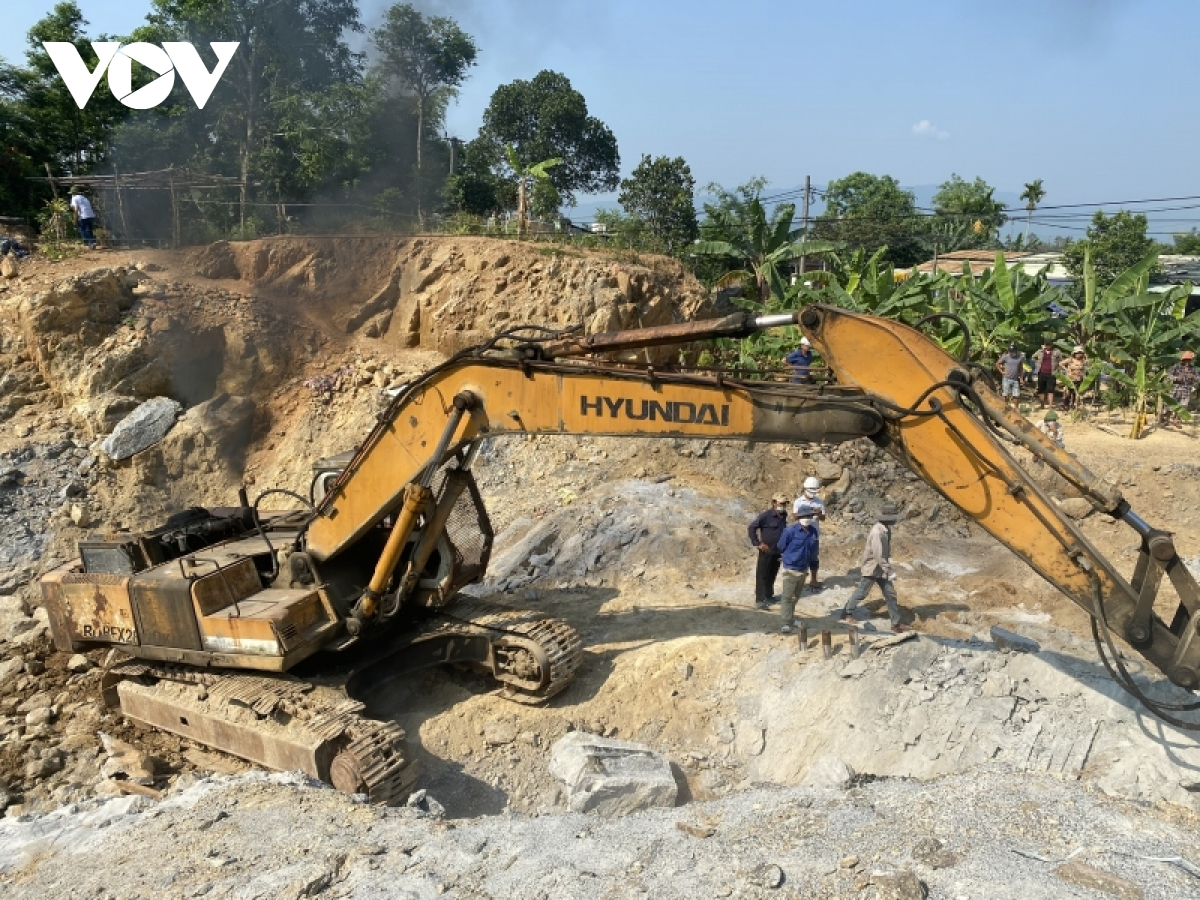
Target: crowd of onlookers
(1051, 369)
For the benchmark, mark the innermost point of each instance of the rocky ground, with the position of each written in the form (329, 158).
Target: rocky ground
(937, 761)
(963, 836)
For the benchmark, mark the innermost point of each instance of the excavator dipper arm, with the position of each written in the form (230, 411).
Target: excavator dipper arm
(946, 426)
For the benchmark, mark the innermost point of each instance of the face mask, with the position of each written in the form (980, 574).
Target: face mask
(810, 492)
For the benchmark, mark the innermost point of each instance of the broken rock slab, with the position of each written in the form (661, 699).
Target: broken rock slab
(126, 760)
(829, 772)
(1077, 507)
(609, 777)
(1011, 642)
(142, 428)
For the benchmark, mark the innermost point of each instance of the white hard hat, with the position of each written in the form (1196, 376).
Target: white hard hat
(804, 342)
(812, 483)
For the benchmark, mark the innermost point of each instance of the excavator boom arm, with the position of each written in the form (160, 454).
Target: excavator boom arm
(895, 385)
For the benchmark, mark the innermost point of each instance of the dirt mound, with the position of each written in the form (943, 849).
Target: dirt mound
(445, 294)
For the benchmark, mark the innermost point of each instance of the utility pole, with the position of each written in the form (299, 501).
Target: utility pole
(807, 195)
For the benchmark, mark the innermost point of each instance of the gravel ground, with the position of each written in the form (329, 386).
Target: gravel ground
(263, 836)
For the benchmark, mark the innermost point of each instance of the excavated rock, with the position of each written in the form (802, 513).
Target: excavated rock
(142, 428)
(610, 777)
(1077, 507)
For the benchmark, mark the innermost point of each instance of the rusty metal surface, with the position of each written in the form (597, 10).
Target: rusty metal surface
(52, 599)
(180, 713)
(262, 623)
(215, 590)
(97, 608)
(277, 723)
(164, 613)
(736, 325)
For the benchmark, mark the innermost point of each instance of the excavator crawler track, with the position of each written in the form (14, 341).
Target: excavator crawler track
(537, 656)
(276, 722)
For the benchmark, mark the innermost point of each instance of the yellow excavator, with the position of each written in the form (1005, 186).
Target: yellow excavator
(226, 620)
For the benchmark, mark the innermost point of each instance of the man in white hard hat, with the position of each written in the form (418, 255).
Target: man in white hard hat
(811, 499)
(801, 360)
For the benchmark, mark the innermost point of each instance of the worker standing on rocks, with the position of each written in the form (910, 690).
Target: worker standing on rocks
(796, 546)
(812, 499)
(876, 567)
(765, 532)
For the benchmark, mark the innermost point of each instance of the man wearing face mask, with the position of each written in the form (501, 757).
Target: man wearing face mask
(764, 534)
(810, 498)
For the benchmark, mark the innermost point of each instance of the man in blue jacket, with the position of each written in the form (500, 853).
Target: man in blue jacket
(801, 360)
(796, 547)
(764, 534)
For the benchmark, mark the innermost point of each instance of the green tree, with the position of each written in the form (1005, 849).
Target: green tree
(529, 179)
(1033, 194)
(871, 212)
(428, 58)
(738, 230)
(971, 202)
(477, 187)
(1144, 334)
(290, 57)
(41, 123)
(546, 118)
(661, 193)
(1116, 242)
(1003, 306)
(1187, 244)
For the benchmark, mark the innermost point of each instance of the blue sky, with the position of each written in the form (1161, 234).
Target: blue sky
(1089, 95)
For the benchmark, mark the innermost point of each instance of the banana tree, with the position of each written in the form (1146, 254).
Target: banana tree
(1146, 331)
(762, 246)
(526, 176)
(1088, 315)
(1004, 306)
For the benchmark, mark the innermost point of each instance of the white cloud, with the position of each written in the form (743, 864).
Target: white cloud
(925, 128)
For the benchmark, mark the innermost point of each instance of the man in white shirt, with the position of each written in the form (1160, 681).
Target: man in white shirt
(810, 499)
(85, 216)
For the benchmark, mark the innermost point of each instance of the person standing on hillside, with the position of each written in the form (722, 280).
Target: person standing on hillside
(1011, 367)
(1075, 368)
(85, 216)
(1182, 376)
(801, 360)
(875, 565)
(796, 546)
(764, 533)
(1046, 362)
(812, 499)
